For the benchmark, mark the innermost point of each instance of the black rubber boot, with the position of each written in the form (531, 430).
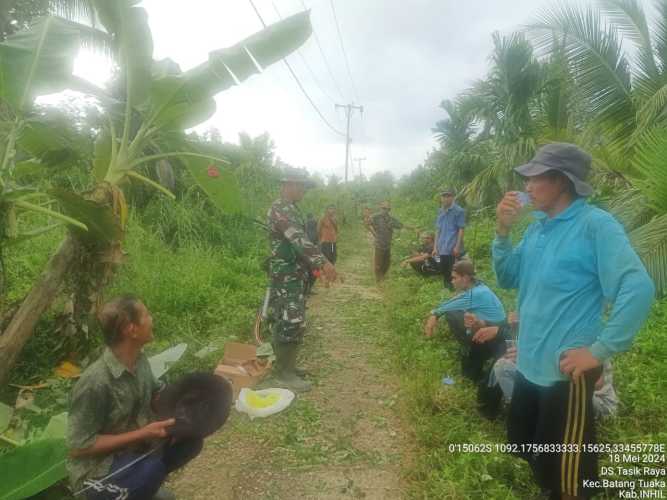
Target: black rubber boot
(300, 372)
(285, 368)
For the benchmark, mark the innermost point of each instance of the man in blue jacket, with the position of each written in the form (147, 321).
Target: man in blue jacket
(583, 295)
(467, 314)
(450, 226)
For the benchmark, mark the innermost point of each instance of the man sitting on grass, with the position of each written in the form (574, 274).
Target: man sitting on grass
(423, 261)
(111, 421)
(605, 399)
(469, 314)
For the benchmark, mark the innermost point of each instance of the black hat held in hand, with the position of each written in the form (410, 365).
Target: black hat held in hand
(200, 403)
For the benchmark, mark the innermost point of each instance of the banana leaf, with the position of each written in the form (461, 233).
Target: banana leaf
(185, 99)
(52, 142)
(219, 183)
(37, 61)
(129, 25)
(56, 428)
(32, 468)
(266, 47)
(99, 219)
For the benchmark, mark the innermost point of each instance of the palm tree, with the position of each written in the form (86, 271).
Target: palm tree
(460, 157)
(625, 100)
(504, 100)
(454, 132)
(505, 105)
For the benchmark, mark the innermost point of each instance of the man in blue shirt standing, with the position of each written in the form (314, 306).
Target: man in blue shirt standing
(583, 295)
(449, 234)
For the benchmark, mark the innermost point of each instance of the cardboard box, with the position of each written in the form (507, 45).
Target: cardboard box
(241, 367)
(236, 353)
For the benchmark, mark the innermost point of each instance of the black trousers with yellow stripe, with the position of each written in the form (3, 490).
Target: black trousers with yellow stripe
(560, 416)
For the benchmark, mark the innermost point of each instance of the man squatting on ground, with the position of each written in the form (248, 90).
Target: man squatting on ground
(423, 261)
(450, 225)
(573, 263)
(111, 417)
(605, 399)
(292, 258)
(469, 314)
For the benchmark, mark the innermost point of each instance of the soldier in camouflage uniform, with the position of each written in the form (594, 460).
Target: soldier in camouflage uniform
(292, 257)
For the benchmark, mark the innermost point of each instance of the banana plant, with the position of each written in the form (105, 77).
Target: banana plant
(158, 101)
(33, 62)
(145, 122)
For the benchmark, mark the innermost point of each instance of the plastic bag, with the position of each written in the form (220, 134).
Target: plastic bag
(263, 403)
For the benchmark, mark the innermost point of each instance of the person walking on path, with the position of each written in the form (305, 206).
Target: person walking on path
(111, 421)
(450, 225)
(293, 256)
(382, 225)
(583, 295)
(327, 230)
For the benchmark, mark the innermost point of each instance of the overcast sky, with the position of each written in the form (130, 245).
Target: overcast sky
(405, 57)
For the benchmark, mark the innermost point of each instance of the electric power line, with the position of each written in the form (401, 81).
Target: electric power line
(342, 46)
(303, 59)
(324, 57)
(303, 90)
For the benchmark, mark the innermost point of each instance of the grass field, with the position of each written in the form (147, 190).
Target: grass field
(205, 294)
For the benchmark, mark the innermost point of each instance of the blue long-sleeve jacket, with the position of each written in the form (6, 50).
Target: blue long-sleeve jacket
(479, 300)
(580, 285)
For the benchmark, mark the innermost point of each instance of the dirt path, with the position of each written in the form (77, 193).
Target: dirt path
(345, 439)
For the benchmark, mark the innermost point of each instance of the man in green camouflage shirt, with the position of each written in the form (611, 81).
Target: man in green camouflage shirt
(293, 255)
(382, 225)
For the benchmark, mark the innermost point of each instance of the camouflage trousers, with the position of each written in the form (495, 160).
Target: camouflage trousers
(288, 312)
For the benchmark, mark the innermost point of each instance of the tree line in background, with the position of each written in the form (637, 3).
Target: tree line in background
(595, 76)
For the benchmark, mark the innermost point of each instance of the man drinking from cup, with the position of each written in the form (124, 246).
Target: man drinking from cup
(570, 264)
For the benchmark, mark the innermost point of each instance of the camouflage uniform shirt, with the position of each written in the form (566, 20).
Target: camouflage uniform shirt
(293, 255)
(107, 399)
(292, 252)
(383, 226)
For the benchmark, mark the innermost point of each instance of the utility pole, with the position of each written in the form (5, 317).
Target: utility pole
(349, 108)
(359, 160)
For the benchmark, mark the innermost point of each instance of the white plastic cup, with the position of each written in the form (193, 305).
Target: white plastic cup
(524, 198)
